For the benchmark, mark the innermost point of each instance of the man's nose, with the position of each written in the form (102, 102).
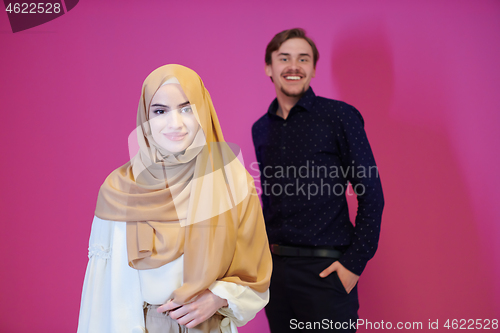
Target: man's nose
(294, 66)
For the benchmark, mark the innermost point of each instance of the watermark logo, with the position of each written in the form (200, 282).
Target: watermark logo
(28, 14)
(310, 180)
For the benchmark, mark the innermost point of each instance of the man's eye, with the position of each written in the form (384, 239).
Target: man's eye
(186, 109)
(284, 59)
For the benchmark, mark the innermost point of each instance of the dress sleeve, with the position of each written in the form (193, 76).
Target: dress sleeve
(243, 302)
(111, 297)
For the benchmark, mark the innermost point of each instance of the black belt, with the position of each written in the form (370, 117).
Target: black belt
(292, 251)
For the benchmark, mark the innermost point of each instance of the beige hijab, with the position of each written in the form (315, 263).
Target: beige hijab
(201, 202)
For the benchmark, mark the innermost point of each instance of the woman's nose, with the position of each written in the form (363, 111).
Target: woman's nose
(174, 119)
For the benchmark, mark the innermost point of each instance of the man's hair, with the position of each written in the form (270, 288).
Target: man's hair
(285, 35)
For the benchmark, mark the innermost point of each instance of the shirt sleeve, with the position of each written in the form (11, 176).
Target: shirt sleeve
(357, 158)
(243, 302)
(264, 197)
(111, 299)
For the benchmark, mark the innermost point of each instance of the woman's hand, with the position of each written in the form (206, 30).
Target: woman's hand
(196, 312)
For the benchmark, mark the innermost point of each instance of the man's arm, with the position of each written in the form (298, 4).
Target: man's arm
(264, 196)
(356, 153)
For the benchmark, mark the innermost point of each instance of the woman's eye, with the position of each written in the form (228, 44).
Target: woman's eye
(159, 111)
(186, 109)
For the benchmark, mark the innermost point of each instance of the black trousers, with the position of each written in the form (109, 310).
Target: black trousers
(302, 301)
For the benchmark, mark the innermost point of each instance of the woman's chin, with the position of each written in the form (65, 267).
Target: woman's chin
(175, 148)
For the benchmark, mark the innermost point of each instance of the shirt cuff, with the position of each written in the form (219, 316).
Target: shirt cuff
(353, 262)
(243, 302)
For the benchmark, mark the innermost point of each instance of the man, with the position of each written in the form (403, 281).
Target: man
(308, 149)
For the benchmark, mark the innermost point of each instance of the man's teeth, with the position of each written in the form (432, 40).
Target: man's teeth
(292, 77)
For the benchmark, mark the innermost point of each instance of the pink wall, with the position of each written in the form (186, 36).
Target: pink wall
(424, 74)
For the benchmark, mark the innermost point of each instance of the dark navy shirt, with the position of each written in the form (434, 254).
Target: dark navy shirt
(305, 164)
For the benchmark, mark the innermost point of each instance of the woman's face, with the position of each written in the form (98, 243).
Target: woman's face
(173, 123)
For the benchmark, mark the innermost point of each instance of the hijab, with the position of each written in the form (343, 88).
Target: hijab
(200, 203)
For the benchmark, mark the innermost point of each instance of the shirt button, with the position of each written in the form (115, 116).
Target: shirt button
(284, 124)
(283, 147)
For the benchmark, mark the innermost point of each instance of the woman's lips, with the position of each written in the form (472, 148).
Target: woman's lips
(175, 136)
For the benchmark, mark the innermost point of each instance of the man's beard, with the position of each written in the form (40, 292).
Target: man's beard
(289, 94)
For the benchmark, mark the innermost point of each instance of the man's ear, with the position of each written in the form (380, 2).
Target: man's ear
(268, 70)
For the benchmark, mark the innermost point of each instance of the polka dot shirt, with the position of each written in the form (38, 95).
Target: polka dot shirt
(306, 162)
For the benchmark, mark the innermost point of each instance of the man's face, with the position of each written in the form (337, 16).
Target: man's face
(292, 67)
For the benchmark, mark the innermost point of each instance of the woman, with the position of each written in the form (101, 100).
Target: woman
(178, 241)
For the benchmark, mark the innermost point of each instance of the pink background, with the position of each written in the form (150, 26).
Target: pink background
(424, 74)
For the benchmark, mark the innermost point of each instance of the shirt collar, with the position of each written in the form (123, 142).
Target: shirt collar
(306, 102)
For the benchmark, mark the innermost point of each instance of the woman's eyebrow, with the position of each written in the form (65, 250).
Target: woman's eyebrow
(161, 105)
(168, 107)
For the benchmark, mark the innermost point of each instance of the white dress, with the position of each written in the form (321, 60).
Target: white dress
(113, 293)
